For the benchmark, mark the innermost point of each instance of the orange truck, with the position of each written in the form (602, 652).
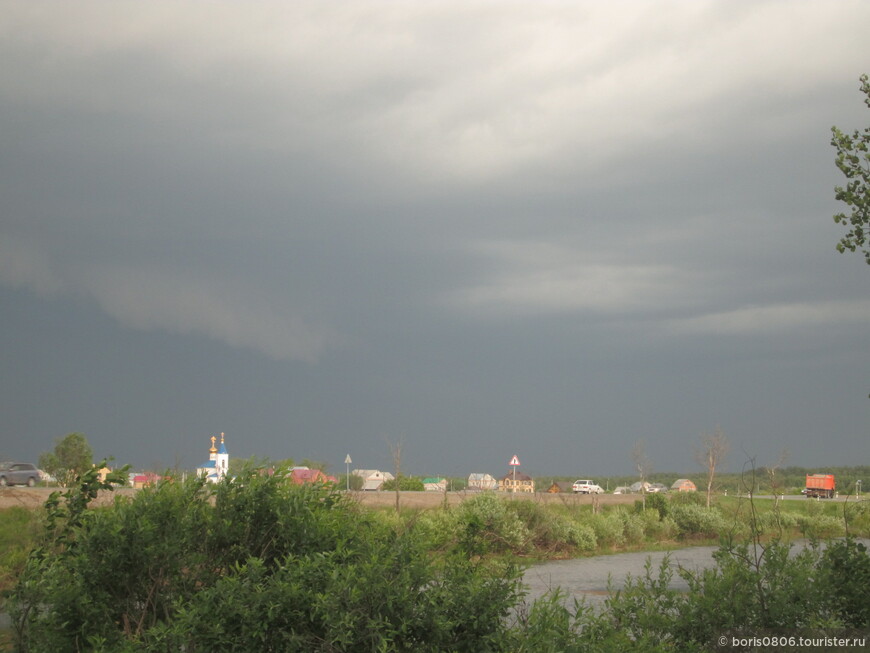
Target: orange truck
(820, 485)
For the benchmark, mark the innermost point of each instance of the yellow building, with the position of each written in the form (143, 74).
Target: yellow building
(516, 482)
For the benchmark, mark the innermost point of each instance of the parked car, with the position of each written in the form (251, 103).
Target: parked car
(586, 487)
(18, 474)
(657, 487)
(622, 489)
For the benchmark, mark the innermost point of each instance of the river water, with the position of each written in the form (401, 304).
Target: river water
(588, 578)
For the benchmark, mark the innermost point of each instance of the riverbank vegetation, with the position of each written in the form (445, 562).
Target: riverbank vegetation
(257, 564)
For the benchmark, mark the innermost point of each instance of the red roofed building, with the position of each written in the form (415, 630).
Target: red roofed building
(302, 475)
(144, 480)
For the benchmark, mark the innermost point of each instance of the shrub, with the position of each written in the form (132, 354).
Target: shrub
(583, 537)
(845, 571)
(776, 521)
(820, 526)
(406, 484)
(654, 501)
(692, 519)
(632, 527)
(857, 516)
(439, 528)
(665, 529)
(608, 528)
(550, 530)
(17, 527)
(751, 587)
(688, 498)
(257, 564)
(485, 525)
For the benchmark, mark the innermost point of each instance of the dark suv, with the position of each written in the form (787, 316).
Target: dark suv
(18, 474)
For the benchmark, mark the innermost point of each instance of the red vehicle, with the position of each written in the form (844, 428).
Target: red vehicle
(820, 485)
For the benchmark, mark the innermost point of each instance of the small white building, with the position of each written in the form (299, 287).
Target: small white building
(481, 482)
(373, 479)
(218, 463)
(435, 484)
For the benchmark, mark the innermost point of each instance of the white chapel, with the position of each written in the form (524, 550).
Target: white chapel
(215, 468)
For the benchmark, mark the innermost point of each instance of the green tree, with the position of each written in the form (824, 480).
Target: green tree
(238, 465)
(853, 159)
(72, 457)
(405, 484)
(355, 482)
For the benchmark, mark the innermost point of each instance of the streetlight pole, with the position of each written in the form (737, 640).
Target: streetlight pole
(347, 462)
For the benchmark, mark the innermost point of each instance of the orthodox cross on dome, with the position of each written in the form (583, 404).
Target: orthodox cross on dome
(213, 438)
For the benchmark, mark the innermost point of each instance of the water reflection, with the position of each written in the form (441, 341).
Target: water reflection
(587, 578)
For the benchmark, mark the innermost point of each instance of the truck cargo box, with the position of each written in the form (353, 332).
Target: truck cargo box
(820, 485)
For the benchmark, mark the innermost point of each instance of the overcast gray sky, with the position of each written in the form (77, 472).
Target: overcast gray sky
(482, 229)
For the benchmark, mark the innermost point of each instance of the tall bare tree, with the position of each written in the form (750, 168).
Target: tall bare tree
(396, 452)
(714, 447)
(772, 471)
(643, 465)
(775, 483)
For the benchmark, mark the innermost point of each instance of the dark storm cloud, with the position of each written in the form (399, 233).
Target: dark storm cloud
(460, 222)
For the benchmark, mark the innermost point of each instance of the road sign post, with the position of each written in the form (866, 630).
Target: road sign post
(515, 462)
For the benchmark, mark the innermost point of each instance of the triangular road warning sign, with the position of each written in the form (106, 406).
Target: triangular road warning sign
(514, 461)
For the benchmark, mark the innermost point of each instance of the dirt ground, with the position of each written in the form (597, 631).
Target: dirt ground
(34, 497)
(435, 499)
(27, 497)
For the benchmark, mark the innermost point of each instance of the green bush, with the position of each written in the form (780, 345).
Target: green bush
(608, 528)
(820, 526)
(550, 530)
(16, 534)
(688, 498)
(406, 484)
(486, 525)
(776, 521)
(261, 565)
(654, 501)
(692, 519)
(633, 527)
(439, 528)
(583, 537)
(666, 529)
(751, 588)
(857, 516)
(845, 571)
(256, 564)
